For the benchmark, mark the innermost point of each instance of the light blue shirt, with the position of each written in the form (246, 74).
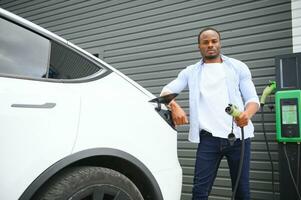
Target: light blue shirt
(241, 91)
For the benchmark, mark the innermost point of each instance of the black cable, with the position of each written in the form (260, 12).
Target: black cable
(290, 171)
(234, 112)
(268, 149)
(240, 163)
(298, 163)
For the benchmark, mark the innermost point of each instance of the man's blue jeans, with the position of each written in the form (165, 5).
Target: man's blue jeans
(210, 152)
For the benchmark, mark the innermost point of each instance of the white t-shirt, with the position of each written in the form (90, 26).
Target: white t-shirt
(213, 101)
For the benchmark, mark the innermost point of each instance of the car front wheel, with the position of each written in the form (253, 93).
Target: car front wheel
(89, 183)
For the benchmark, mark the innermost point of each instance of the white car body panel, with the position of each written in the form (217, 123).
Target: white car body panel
(135, 121)
(32, 139)
(109, 112)
(124, 117)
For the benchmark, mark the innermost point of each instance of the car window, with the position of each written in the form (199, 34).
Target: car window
(27, 54)
(68, 64)
(22, 52)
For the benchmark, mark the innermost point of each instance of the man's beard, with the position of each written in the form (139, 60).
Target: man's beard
(211, 57)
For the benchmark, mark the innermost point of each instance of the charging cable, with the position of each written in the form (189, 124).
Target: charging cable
(268, 149)
(290, 171)
(234, 112)
(266, 92)
(298, 163)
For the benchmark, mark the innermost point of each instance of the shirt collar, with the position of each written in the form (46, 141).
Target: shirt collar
(224, 59)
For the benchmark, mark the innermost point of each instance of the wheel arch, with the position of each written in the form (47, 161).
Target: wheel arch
(114, 159)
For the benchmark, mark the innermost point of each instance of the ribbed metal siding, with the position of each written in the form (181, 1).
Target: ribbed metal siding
(152, 40)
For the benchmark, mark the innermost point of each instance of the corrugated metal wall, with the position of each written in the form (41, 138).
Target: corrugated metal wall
(152, 40)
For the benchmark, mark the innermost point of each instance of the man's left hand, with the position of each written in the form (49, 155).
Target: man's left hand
(243, 119)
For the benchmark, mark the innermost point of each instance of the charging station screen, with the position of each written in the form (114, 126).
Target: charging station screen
(289, 114)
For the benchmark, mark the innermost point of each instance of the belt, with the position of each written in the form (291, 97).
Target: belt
(204, 132)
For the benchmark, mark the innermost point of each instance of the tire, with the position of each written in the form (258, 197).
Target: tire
(89, 183)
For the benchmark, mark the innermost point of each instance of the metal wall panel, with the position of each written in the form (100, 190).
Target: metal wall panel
(152, 40)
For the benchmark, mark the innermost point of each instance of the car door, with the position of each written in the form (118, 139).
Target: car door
(39, 116)
(38, 125)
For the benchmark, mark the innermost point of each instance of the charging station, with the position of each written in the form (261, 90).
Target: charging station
(288, 123)
(288, 116)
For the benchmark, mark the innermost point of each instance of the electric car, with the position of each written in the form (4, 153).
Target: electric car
(73, 127)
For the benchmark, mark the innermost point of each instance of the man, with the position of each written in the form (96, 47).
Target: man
(214, 82)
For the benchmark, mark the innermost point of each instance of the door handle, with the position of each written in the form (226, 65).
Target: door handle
(45, 105)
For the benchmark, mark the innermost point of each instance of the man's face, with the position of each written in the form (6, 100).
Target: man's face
(210, 46)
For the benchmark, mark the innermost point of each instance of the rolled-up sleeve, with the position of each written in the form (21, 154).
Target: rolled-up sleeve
(247, 86)
(178, 84)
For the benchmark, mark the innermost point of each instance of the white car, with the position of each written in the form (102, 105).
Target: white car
(73, 127)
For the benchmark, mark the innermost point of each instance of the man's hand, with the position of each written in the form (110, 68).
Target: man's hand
(244, 117)
(178, 115)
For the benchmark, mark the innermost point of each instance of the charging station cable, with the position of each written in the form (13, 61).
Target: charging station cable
(234, 112)
(298, 163)
(290, 171)
(266, 92)
(268, 149)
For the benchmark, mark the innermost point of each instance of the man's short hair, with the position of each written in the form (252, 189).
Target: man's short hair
(207, 29)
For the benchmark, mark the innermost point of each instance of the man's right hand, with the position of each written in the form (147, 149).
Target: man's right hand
(178, 115)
